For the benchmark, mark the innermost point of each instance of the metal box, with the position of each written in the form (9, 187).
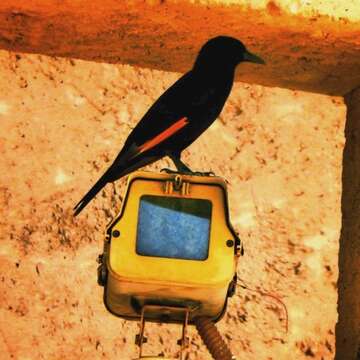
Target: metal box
(171, 247)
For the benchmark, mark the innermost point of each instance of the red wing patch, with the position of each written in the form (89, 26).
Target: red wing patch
(163, 135)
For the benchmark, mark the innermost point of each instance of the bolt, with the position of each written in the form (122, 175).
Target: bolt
(116, 233)
(229, 243)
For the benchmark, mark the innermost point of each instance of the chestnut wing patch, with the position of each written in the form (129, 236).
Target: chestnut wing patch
(171, 130)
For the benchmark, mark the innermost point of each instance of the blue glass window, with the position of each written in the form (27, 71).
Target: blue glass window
(173, 227)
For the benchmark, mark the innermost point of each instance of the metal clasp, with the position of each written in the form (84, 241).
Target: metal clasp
(177, 184)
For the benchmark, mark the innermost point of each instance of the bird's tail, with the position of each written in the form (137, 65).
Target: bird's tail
(119, 169)
(90, 195)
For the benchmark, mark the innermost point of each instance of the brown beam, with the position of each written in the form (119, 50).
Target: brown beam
(310, 50)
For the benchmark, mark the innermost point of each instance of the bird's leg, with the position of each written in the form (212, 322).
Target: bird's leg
(180, 166)
(183, 168)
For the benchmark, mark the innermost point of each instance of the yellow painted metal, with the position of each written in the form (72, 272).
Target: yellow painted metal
(200, 285)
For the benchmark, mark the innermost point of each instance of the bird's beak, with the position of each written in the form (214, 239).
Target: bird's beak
(248, 56)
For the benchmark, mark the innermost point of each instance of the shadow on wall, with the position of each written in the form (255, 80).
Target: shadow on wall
(348, 326)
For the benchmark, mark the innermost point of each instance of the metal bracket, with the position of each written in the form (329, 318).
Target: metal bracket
(239, 248)
(140, 339)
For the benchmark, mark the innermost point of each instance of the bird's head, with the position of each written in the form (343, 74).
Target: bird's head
(225, 51)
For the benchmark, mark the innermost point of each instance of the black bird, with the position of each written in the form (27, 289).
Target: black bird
(181, 113)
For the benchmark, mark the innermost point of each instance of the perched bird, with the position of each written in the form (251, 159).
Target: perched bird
(181, 113)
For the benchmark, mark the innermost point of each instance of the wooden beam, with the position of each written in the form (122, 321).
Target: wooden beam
(314, 49)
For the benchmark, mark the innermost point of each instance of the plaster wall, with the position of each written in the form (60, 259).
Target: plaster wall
(62, 122)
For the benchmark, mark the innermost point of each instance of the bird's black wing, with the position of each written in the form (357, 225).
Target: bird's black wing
(170, 107)
(167, 116)
(173, 104)
(172, 111)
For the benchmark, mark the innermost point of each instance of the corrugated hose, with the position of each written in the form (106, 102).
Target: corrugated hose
(212, 339)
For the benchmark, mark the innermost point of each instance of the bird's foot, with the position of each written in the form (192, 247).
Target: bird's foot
(188, 172)
(170, 171)
(205, 173)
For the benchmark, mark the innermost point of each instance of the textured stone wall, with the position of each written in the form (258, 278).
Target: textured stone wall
(63, 121)
(348, 327)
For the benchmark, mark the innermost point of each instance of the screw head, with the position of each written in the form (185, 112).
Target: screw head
(116, 233)
(229, 243)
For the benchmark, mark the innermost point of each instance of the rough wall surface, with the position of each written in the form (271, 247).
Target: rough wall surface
(61, 124)
(348, 327)
(308, 45)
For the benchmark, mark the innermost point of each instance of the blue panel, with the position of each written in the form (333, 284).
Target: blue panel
(173, 227)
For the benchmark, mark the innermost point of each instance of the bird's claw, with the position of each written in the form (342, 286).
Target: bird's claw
(169, 171)
(177, 172)
(191, 173)
(205, 173)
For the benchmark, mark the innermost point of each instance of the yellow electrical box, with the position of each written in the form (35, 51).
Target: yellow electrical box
(171, 247)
